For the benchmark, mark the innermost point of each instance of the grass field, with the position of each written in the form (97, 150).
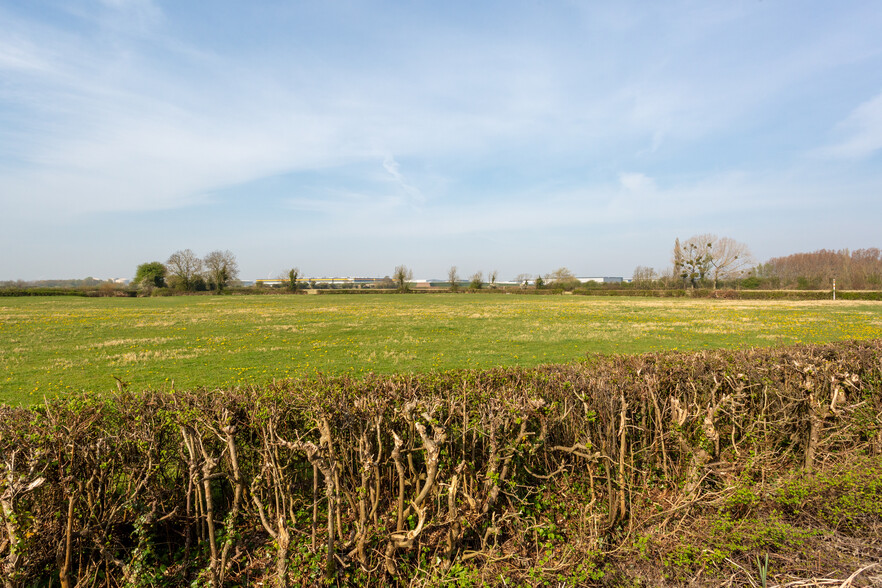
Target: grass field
(55, 345)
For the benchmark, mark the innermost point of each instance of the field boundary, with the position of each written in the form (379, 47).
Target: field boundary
(733, 294)
(665, 468)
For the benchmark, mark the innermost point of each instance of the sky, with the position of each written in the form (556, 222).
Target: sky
(349, 137)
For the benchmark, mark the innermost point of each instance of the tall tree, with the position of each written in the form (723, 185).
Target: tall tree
(695, 257)
(221, 267)
(678, 258)
(707, 256)
(729, 259)
(291, 279)
(453, 278)
(402, 276)
(185, 268)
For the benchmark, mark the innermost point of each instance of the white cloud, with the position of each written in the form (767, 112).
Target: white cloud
(411, 193)
(19, 54)
(861, 132)
(636, 182)
(635, 201)
(137, 17)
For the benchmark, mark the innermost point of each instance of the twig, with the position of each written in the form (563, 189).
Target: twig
(747, 573)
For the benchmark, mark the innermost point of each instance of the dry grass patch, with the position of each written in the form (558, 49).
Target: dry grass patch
(121, 342)
(162, 355)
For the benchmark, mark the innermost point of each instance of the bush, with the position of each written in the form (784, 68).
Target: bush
(751, 283)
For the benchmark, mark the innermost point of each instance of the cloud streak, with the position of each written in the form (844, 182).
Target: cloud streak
(860, 133)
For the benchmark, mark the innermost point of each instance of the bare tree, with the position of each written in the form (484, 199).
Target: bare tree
(453, 278)
(221, 267)
(709, 257)
(493, 275)
(523, 279)
(559, 274)
(729, 259)
(692, 259)
(562, 278)
(668, 278)
(402, 276)
(643, 277)
(185, 269)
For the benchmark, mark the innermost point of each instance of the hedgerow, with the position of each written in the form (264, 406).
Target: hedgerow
(658, 469)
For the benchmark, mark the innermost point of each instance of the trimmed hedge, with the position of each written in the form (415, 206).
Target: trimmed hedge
(742, 294)
(586, 474)
(90, 293)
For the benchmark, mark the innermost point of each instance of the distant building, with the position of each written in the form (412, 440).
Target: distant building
(602, 280)
(324, 282)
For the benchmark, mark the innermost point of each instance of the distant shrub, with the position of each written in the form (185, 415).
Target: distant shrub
(751, 283)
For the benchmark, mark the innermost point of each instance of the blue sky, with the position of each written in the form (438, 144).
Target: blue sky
(350, 137)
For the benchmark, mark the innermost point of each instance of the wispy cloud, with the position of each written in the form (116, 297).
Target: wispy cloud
(636, 182)
(860, 134)
(411, 193)
(20, 54)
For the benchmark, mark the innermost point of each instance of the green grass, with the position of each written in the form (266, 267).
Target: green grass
(56, 345)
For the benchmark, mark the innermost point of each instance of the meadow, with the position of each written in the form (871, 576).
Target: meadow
(51, 346)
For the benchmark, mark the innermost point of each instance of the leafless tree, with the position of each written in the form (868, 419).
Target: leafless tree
(221, 267)
(692, 259)
(643, 277)
(402, 276)
(185, 268)
(562, 278)
(729, 259)
(668, 278)
(707, 256)
(861, 268)
(453, 278)
(523, 279)
(560, 273)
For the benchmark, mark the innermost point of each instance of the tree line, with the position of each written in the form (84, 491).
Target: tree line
(701, 261)
(853, 270)
(708, 261)
(187, 272)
